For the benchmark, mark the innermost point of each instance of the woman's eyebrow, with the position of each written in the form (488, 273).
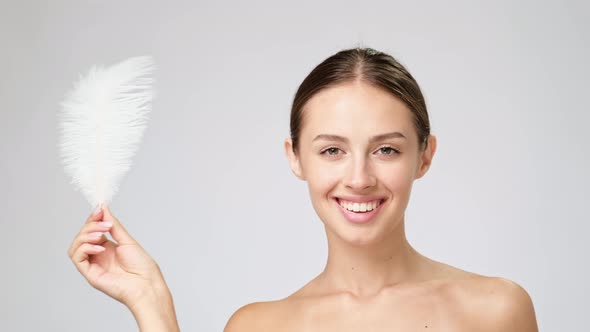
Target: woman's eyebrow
(381, 137)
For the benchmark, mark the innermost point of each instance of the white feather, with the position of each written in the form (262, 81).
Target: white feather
(102, 121)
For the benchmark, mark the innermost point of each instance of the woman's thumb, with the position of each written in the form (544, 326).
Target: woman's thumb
(118, 232)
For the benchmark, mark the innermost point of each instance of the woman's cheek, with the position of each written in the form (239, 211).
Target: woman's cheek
(397, 179)
(324, 178)
(321, 180)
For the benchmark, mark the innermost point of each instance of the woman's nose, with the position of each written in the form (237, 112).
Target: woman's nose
(359, 175)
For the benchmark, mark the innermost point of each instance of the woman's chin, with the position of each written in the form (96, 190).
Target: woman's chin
(380, 232)
(355, 237)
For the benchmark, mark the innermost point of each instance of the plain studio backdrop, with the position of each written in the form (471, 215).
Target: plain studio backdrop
(210, 195)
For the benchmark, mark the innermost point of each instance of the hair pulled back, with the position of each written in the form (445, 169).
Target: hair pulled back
(367, 65)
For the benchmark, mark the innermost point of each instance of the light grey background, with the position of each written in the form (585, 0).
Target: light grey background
(210, 195)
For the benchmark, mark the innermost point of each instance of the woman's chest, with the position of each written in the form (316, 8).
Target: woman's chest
(407, 314)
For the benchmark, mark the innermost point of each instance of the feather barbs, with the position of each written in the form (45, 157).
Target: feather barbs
(102, 122)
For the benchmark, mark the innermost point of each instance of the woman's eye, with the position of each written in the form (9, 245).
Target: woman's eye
(387, 150)
(330, 151)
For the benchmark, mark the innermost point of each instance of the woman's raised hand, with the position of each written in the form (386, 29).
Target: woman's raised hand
(122, 270)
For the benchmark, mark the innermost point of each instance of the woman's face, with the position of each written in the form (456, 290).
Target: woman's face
(358, 145)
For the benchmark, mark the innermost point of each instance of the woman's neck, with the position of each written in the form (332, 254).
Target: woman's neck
(365, 270)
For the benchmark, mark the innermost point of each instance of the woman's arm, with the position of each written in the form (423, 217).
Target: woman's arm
(155, 312)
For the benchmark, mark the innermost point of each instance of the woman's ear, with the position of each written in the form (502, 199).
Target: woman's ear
(426, 157)
(293, 159)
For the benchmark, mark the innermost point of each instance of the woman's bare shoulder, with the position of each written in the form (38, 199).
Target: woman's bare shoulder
(497, 303)
(257, 316)
(492, 302)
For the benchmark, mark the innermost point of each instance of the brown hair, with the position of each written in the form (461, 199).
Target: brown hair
(368, 65)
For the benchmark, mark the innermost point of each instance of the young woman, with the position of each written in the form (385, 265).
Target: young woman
(360, 136)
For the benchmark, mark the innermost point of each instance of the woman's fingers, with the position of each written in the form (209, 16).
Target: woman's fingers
(81, 255)
(89, 233)
(118, 232)
(97, 238)
(96, 215)
(90, 226)
(91, 237)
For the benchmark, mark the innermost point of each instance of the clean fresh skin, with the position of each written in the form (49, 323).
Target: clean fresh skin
(358, 150)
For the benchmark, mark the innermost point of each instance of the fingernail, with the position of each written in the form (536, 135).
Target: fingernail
(105, 224)
(99, 248)
(95, 235)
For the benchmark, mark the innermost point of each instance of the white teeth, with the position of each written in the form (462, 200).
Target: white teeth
(359, 207)
(363, 207)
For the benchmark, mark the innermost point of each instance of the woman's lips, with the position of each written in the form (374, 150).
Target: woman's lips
(359, 217)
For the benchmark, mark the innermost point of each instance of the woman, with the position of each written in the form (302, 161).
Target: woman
(360, 136)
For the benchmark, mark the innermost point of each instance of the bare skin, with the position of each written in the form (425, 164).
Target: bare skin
(124, 271)
(463, 302)
(374, 280)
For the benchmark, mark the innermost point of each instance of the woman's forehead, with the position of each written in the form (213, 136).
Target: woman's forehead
(355, 108)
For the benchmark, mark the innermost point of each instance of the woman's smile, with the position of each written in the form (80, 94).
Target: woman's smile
(359, 210)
